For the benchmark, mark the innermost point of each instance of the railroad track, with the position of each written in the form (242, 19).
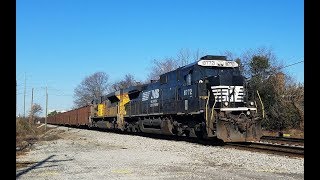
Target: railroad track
(279, 145)
(279, 148)
(282, 140)
(276, 147)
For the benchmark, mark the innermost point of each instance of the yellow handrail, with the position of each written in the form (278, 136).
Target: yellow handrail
(261, 104)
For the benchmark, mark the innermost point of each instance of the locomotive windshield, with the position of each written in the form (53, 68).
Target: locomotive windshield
(215, 71)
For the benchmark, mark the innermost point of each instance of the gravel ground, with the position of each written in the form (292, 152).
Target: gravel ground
(86, 154)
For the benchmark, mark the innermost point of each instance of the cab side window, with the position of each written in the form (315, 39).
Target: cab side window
(163, 79)
(188, 78)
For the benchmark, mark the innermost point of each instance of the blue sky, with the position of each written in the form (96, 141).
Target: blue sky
(60, 42)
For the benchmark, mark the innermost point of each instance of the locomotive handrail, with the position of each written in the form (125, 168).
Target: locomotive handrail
(262, 107)
(213, 107)
(207, 105)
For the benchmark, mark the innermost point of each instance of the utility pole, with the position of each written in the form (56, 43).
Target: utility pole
(16, 97)
(45, 120)
(24, 99)
(31, 112)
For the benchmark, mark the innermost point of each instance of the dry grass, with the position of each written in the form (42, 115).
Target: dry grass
(27, 134)
(296, 133)
(23, 164)
(293, 133)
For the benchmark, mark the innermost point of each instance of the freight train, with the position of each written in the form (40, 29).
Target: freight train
(208, 98)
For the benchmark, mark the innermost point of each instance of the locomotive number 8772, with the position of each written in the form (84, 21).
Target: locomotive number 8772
(204, 99)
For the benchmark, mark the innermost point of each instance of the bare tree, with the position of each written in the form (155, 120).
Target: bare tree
(162, 66)
(262, 58)
(128, 81)
(198, 54)
(35, 110)
(92, 87)
(294, 94)
(259, 61)
(186, 56)
(230, 55)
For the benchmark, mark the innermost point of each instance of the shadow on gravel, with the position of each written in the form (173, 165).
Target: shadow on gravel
(36, 165)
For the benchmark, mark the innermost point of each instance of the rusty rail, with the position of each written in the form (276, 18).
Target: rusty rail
(282, 140)
(279, 148)
(285, 139)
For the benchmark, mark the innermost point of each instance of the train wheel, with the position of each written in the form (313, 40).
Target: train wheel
(133, 128)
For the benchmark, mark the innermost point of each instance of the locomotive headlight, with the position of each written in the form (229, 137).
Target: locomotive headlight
(251, 103)
(248, 113)
(226, 103)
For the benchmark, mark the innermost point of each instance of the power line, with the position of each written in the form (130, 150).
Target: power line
(61, 94)
(291, 64)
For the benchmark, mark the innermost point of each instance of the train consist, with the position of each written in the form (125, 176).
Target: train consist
(205, 99)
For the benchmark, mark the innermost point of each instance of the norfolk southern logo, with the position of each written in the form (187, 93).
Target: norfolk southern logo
(228, 93)
(154, 94)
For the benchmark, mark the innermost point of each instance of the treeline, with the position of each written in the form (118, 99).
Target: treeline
(282, 97)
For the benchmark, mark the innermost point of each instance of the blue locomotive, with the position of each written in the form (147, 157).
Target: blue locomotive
(205, 99)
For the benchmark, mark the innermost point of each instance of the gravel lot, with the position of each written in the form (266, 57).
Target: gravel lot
(85, 154)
